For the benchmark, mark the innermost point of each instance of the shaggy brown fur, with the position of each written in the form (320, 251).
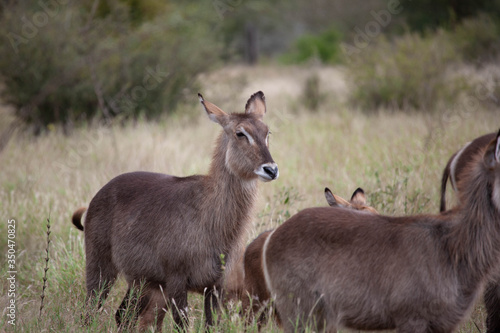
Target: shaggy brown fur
(455, 170)
(458, 162)
(332, 268)
(255, 296)
(169, 233)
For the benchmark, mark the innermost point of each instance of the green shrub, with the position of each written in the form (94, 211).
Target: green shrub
(477, 38)
(76, 65)
(433, 14)
(324, 47)
(311, 93)
(410, 72)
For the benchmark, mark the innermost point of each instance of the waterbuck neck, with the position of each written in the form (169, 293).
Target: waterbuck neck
(474, 240)
(229, 199)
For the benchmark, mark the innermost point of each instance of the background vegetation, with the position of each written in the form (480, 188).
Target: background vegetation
(363, 93)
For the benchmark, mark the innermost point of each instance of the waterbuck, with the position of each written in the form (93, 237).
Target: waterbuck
(255, 296)
(332, 267)
(458, 164)
(171, 235)
(455, 170)
(357, 202)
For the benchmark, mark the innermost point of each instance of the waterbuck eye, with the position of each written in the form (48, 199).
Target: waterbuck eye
(240, 135)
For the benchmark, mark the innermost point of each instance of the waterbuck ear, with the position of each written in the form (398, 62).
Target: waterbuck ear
(256, 104)
(341, 201)
(497, 148)
(492, 154)
(330, 198)
(213, 111)
(359, 196)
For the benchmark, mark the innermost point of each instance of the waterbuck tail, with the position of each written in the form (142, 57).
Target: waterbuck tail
(444, 180)
(77, 217)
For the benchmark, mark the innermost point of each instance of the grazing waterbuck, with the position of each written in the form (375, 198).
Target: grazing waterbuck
(171, 235)
(332, 267)
(255, 295)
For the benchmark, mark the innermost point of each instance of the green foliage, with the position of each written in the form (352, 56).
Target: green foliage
(387, 197)
(432, 14)
(324, 47)
(78, 65)
(311, 95)
(477, 38)
(410, 72)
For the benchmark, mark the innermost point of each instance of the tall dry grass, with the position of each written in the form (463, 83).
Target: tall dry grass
(396, 157)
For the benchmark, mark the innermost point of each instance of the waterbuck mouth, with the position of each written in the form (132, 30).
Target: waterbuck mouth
(268, 172)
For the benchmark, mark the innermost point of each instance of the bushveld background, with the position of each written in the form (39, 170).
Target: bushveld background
(373, 94)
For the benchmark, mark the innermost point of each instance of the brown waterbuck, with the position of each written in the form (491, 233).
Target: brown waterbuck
(255, 296)
(357, 202)
(171, 235)
(456, 168)
(332, 267)
(458, 164)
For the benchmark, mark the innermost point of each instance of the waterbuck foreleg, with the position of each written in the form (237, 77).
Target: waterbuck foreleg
(492, 302)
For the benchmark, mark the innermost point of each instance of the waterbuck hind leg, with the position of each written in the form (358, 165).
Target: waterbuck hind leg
(492, 302)
(101, 275)
(179, 306)
(132, 305)
(97, 292)
(211, 303)
(156, 307)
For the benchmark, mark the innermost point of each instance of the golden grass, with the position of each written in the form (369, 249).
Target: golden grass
(396, 157)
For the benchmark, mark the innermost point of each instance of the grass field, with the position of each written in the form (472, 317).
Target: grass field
(397, 158)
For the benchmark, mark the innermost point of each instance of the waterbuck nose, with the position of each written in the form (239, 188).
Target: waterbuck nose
(272, 171)
(267, 172)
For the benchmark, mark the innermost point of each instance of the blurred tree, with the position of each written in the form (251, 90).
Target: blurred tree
(80, 61)
(430, 14)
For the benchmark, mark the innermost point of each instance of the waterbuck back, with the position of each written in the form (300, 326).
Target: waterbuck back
(169, 235)
(331, 268)
(255, 295)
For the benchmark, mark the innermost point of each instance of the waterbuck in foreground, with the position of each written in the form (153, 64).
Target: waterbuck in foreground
(332, 267)
(171, 235)
(456, 168)
(458, 163)
(255, 295)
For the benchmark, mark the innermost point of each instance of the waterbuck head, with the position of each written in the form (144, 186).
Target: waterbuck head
(246, 139)
(357, 202)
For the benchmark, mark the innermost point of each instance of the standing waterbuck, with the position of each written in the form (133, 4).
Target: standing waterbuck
(171, 235)
(457, 165)
(255, 295)
(455, 171)
(332, 267)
